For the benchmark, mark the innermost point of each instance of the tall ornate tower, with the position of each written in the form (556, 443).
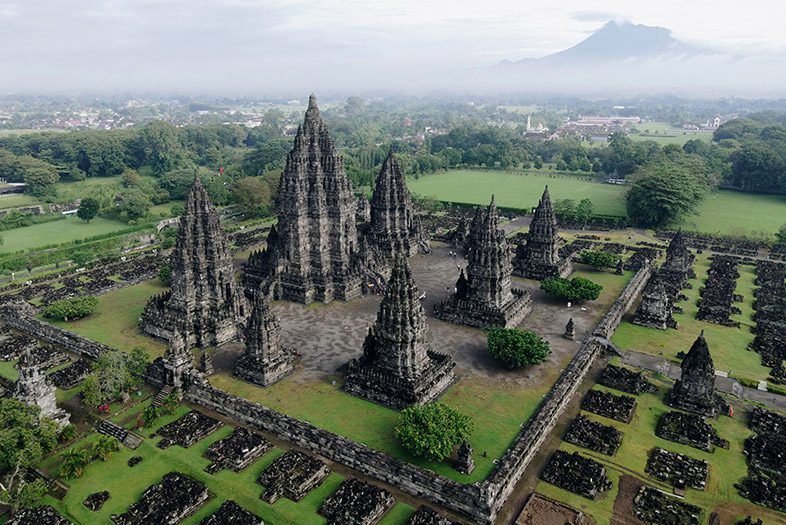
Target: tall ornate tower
(34, 389)
(204, 301)
(695, 390)
(312, 255)
(393, 227)
(177, 362)
(539, 257)
(679, 259)
(264, 361)
(655, 310)
(397, 369)
(484, 297)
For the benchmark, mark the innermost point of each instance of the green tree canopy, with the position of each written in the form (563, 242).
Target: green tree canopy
(516, 348)
(598, 260)
(71, 308)
(433, 430)
(88, 209)
(574, 290)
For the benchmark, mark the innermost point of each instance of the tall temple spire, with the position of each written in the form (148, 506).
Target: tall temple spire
(34, 389)
(487, 298)
(393, 227)
(204, 302)
(539, 257)
(397, 368)
(314, 256)
(264, 361)
(695, 390)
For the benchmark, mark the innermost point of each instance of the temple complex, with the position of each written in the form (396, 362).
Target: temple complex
(695, 390)
(655, 310)
(204, 301)
(484, 296)
(34, 389)
(393, 228)
(538, 258)
(397, 368)
(678, 257)
(264, 361)
(312, 254)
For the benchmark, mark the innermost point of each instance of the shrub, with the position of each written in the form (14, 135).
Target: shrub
(165, 274)
(516, 348)
(575, 289)
(599, 260)
(71, 308)
(433, 430)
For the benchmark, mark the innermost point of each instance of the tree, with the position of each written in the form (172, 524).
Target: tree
(757, 167)
(88, 209)
(24, 439)
(74, 463)
(39, 176)
(130, 178)
(433, 430)
(253, 197)
(584, 211)
(71, 308)
(575, 289)
(780, 236)
(598, 260)
(134, 203)
(105, 447)
(161, 145)
(165, 274)
(516, 348)
(266, 156)
(114, 375)
(666, 189)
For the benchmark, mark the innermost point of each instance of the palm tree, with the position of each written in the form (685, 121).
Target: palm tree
(105, 446)
(74, 463)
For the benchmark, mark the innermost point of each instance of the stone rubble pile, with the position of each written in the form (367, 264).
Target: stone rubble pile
(172, 500)
(237, 451)
(625, 380)
(657, 508)
(575, 473)
(689, 429)
(96, 500)
(292, 475)
(43, 515)
(187, 429)
(678, 470)
(356, 502)
(230, 513)
(428, 516)
(717, 296)
(70, 376)
(606, 404)
(594, 436)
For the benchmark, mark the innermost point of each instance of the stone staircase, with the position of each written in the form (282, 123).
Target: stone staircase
(158, 401)
(108, 428)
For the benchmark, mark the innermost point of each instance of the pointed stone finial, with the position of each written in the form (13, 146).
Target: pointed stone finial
(312, 101)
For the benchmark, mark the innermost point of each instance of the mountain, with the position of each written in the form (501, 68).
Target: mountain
(619, 41)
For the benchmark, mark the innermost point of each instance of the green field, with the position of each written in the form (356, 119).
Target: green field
(727, 467)
(16, 200)
(115, 321)
(723, 211)
(664, 133)
(126, 485)
(56, 232)
(728, 345)
(516, 190)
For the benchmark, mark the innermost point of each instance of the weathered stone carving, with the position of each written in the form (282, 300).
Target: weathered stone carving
(292, 475)
(655, 310)
(312, 253)
(464, 462)
(356, 502)
(539, 257)
(34, 389)
(484, 296)
(265, 361)
(397, 369)
(695, 390)
(204, 301)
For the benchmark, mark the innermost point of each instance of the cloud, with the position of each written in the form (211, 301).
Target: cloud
(9, 11)
(594, 16)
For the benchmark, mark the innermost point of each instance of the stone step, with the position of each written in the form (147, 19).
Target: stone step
(158, 401)
(108, 428)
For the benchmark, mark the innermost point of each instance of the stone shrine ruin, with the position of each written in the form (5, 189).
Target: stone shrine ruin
(397, 368)
(33, 388)
(695, 390)
(539, 256)
(484, 297)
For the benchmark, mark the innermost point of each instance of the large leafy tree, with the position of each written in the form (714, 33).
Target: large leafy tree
(114, 376)
(24, 439)
(757, 167)
(575, 289)
(516, 348)
(433, 430)
(252, 195)
(667, 189)
(161, 145)
(88, 209)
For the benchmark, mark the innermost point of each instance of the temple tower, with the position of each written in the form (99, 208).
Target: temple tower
(397, 368)
(178, 361)
(393, 227)
(312, 254)
(264, 361)
(679, 258)
(695, 390)
(204, 301)
(484, 296)
(655, 310)
(34, 389)
(539, 257)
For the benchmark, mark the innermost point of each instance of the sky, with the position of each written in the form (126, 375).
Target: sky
(258, 46)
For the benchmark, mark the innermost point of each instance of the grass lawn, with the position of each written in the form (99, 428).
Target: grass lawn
(723, 211)
(115, 321)
(515, 189)
(727, 467)
(126, 485)
(497, 408)
(16, 200)
(727, 345)
(664, 133)
(56, 232)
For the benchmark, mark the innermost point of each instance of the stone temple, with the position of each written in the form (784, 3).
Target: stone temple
(484, 296)
(312, 253)
(695, 390)
(655, 310)
(538, 257)
(679, 258)
(397, 369)
(204, 301)
(34, 389)
(264, 361)
(393, 228)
